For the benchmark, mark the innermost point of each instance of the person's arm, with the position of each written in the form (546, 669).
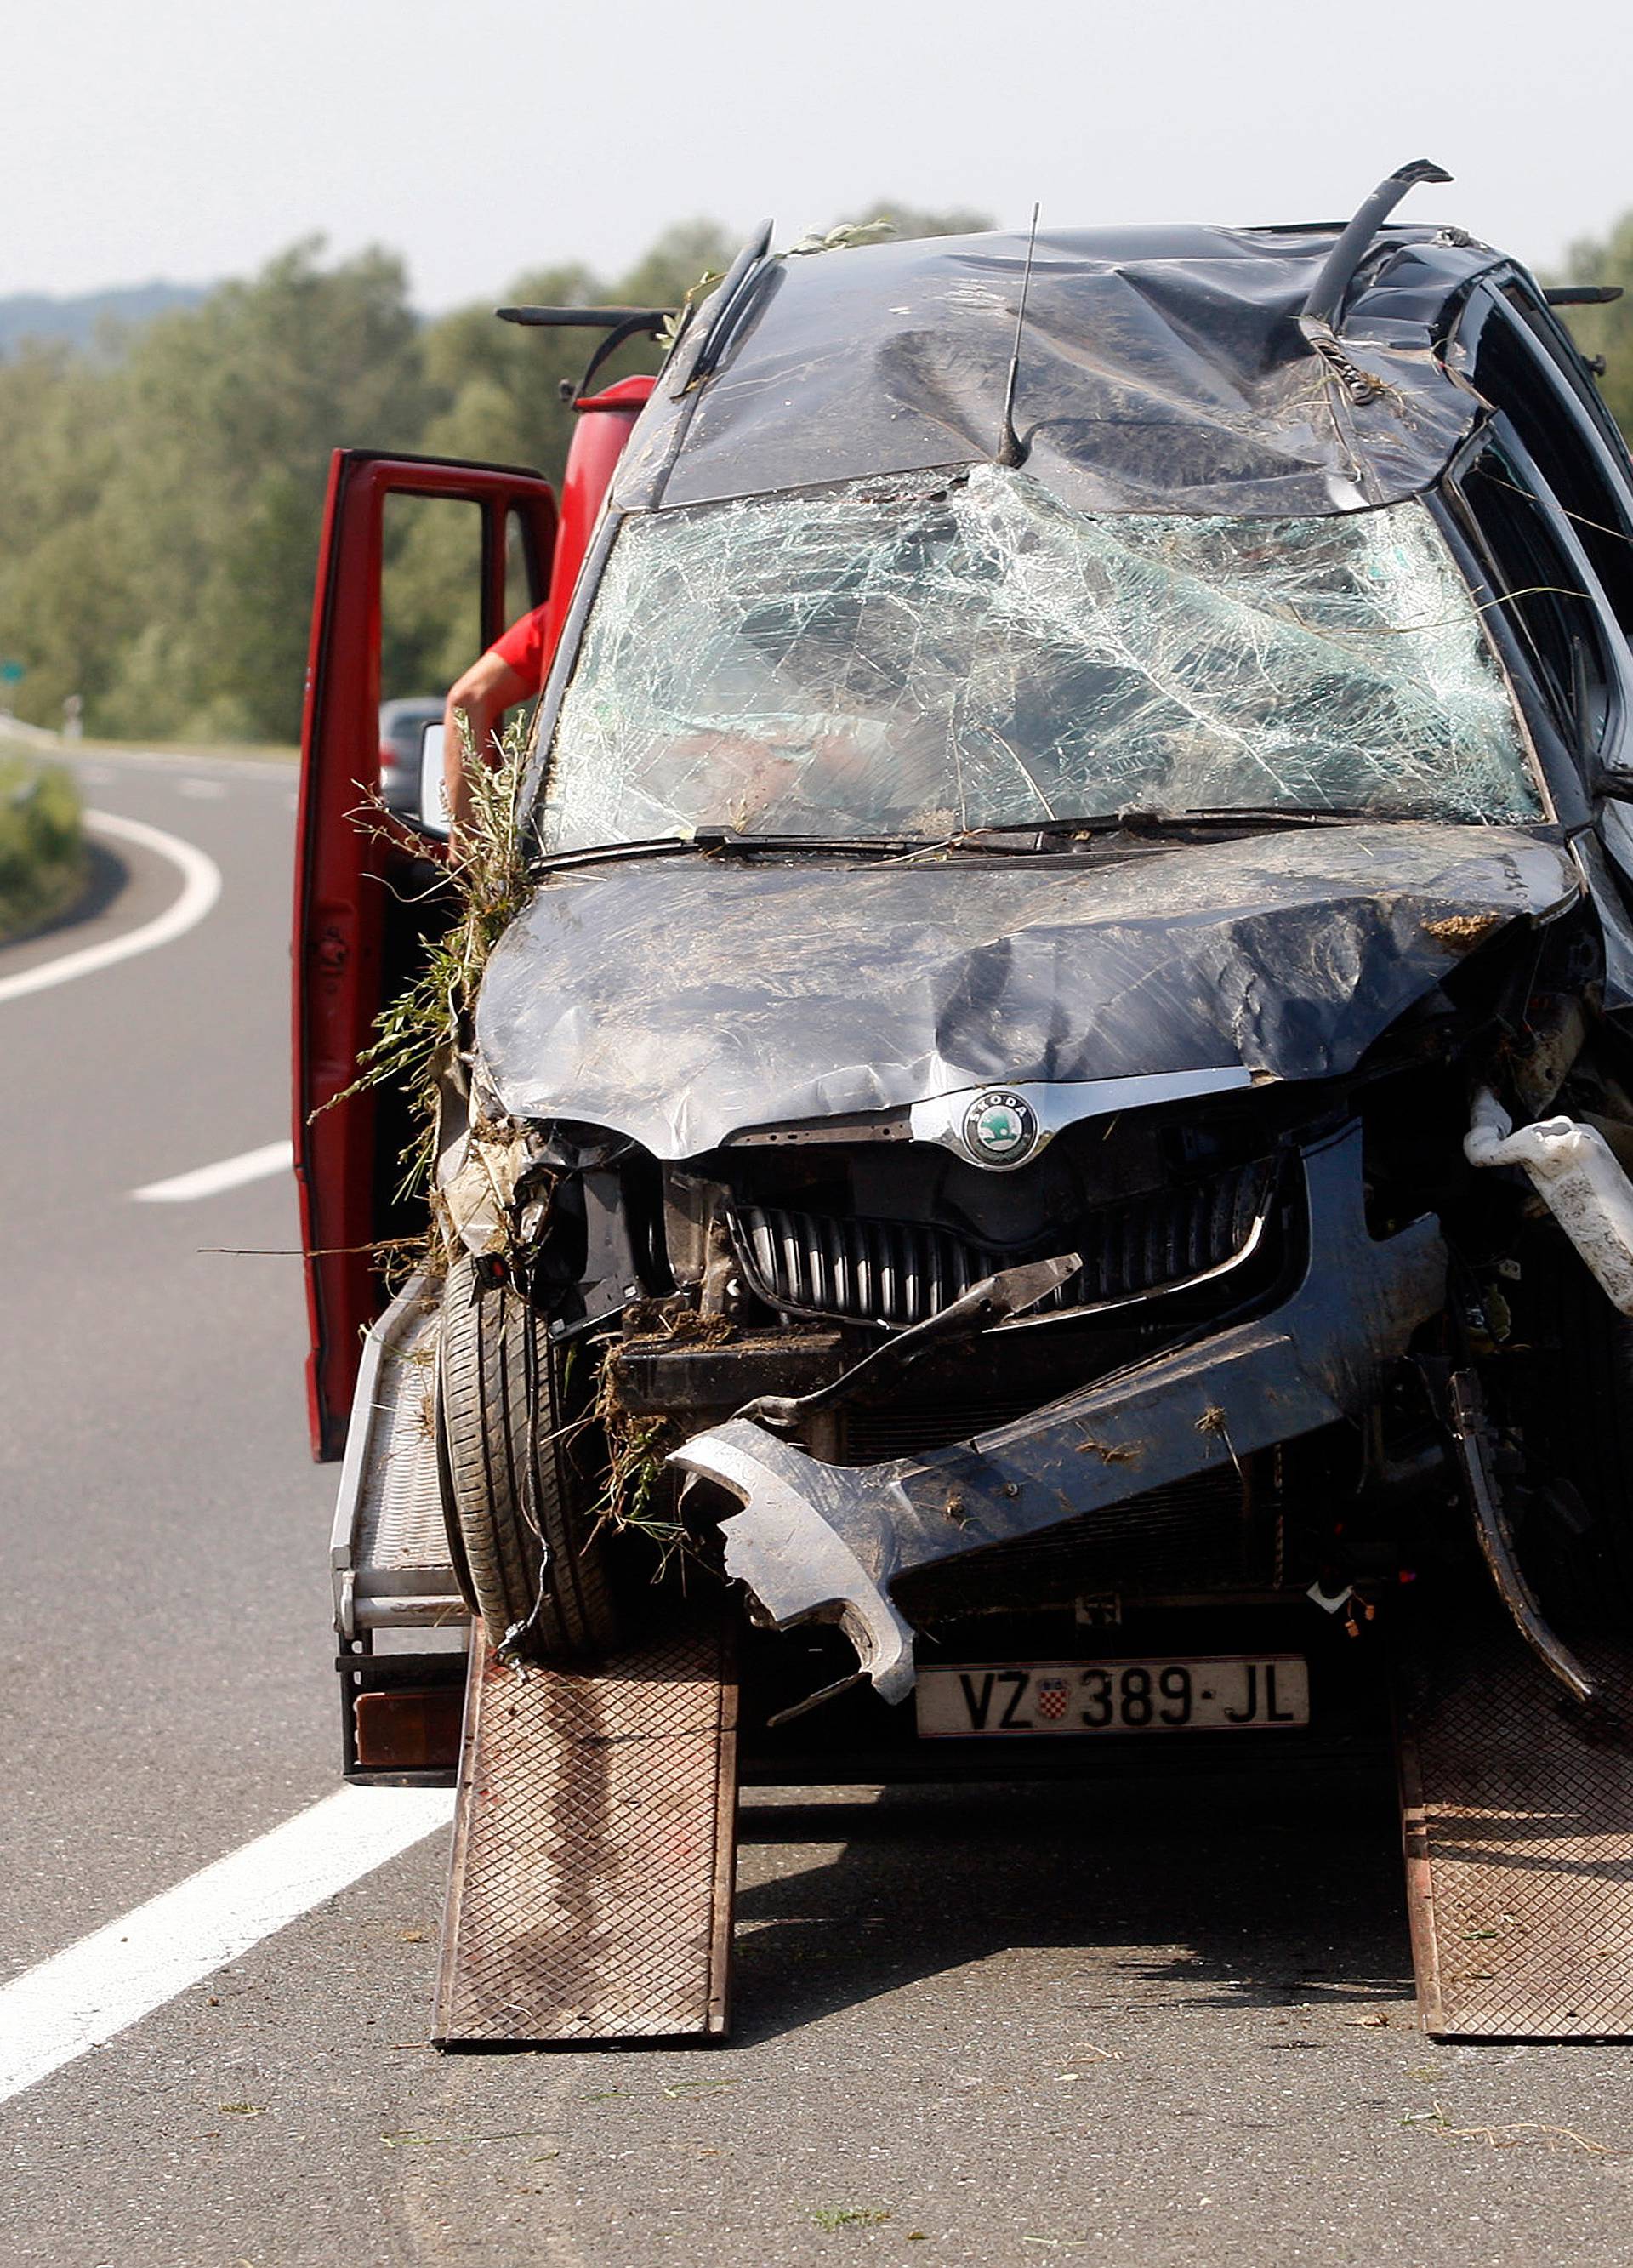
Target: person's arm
(491, 686)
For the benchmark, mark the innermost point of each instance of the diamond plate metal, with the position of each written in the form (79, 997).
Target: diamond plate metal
(590, 1892)
(399, 1525)
(1519, 1831)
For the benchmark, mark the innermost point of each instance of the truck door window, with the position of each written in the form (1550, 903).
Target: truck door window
(526, 576)
(430, 594)
(1515, 371)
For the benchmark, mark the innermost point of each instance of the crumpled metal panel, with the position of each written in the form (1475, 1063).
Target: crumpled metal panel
(680, 999)
(810, 1533)
(589, 1891)
(1519, 1823)
(1161, 370)
(925, 658)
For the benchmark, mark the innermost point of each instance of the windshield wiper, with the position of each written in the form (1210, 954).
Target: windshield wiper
(723, 842)
(998, 835)
(1136, 822)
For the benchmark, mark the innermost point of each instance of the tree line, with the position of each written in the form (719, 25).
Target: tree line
(160, 497)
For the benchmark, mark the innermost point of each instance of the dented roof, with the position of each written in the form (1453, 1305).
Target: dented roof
(1162, 370)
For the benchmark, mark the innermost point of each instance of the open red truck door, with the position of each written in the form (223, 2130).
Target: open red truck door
(363, 904)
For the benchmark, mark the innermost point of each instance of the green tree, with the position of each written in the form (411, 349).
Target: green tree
(226, 417)
(161, 495)
(65, 599)
(1607, 331)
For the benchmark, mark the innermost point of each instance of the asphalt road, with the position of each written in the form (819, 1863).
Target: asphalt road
(1092, 2021)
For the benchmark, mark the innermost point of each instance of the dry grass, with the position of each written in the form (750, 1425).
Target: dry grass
(634, 1448)
(487, 869)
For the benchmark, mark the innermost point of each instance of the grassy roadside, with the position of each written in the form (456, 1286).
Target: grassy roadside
(43, 851)
(261, 752)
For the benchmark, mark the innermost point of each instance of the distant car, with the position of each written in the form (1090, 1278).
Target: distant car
(402, 733)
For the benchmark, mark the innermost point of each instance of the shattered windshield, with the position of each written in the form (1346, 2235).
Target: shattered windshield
(932, 654)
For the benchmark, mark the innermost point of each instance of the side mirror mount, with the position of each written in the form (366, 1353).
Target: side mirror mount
(432, 817)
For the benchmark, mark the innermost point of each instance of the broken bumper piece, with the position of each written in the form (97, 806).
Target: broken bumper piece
(822, 1541)
(808, 1542)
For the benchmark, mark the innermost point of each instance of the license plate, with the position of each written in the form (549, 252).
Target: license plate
(1197, 1693)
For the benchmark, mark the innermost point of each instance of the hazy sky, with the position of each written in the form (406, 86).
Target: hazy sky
(192, 138)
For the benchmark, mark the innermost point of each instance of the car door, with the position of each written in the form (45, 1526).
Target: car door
(1551, 612)
(365, 902)
(1522, 363)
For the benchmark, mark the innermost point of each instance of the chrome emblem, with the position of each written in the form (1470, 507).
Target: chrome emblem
(1000, 1129)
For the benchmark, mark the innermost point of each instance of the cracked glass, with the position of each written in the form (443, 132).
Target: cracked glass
(926, 655)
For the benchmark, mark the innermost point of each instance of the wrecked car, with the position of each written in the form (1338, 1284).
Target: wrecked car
(1046, 1122)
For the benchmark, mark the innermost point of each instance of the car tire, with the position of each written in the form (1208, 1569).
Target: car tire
(522, 1534)
(1579, 1421)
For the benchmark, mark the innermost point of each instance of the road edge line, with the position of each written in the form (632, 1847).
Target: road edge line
(82, 1997)
(226, 1174)
(201, 887)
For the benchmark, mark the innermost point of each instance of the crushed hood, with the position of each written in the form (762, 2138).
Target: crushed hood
(678, 999)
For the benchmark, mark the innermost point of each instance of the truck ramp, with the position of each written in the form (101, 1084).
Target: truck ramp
(1518, 1814)
(594, 1847)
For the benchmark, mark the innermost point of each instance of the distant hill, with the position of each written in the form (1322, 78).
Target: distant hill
(35, 315)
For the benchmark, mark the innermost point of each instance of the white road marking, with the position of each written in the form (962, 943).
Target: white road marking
(202, 787)
(192, 761)
(201, 887)
(231, 1173)
(80, 1998)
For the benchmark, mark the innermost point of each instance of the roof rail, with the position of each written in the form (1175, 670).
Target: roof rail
(1322, 316)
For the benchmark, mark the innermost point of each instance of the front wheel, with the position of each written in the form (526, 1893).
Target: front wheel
(521, 1520)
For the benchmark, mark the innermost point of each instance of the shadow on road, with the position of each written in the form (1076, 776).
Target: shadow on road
(105, 877)
(1267, 1892)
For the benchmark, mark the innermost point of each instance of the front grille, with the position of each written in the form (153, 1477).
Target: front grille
(875, 1433)
(1188, 1536)
(898, 1272)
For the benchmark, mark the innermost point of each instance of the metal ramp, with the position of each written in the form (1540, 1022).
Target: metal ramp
(594, 1847)
(1518, 1821)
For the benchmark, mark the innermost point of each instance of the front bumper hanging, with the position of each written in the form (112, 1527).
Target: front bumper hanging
(822, 1541)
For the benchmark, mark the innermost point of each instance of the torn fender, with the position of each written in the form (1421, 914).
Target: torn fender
(822, 1538)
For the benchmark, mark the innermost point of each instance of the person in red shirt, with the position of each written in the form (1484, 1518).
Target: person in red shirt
(512, 670)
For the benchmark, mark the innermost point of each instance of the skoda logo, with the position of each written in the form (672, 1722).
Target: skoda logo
(1000, 1129)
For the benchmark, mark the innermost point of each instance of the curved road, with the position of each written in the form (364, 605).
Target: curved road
(996, 2028)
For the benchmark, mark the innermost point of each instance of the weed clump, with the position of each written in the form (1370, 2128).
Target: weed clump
(487, 883)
